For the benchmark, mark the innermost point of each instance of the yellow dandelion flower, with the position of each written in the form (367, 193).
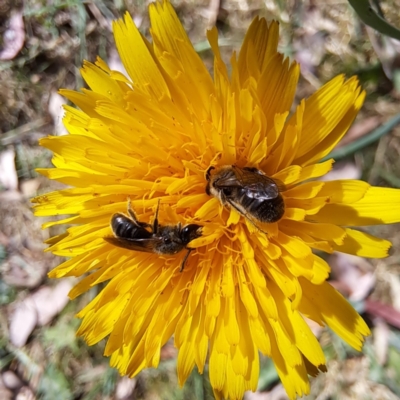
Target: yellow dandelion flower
(150, 139)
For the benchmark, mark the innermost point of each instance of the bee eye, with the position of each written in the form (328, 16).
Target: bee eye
(167, 240)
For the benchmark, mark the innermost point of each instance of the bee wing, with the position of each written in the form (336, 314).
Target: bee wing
(258, 185)
(145, 245)
(229, 181)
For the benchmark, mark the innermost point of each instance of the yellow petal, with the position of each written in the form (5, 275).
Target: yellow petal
(305, 191)
(335, 311)
(277, 86)
(324, 232)
(259, 46)
(344, 191)
(137, 58)
(170, 37)
(364, 245)
(314, 171)
(293, 246)
(101, 82)
(328, 114)
(298, 330)
(378, 206)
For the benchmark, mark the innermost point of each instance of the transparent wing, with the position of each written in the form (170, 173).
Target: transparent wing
(257, 185)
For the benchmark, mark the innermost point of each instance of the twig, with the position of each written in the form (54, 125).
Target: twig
(20, 133)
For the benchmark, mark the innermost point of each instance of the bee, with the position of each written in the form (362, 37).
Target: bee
(249, 191)
(129, 233)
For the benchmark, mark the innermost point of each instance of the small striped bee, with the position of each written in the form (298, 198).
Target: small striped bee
(129, 233)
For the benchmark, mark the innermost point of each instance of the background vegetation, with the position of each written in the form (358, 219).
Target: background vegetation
(42, 46)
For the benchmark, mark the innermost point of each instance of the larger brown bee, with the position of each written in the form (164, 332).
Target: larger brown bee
(135, 235)
(249, 191)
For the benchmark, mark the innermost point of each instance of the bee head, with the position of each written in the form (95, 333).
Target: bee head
(169, 240)
(190, 232)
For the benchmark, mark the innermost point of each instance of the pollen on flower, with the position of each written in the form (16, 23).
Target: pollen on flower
(253, 273)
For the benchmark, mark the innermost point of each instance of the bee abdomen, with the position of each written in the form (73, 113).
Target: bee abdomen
(264, 210)
(125, 228)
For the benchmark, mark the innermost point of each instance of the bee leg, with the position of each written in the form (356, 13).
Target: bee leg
(184, 259)
(133, 216)
(130, 210)
(155, 222)
(246, 216)
(256, 226)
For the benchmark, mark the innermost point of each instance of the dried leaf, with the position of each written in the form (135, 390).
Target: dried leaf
(8, 173)
(11, 380)
(125, 387)
(23, 322)
(56, 102)
(353, 275)
(38, 309)
(13, 37)
(29, 187)
(384, 311)
(381, 340)
(343, 170)
(50, 301)
(23, 273)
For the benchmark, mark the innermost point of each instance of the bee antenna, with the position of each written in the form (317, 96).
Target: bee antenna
(155, 223)
(184, 259)
(208, 172)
